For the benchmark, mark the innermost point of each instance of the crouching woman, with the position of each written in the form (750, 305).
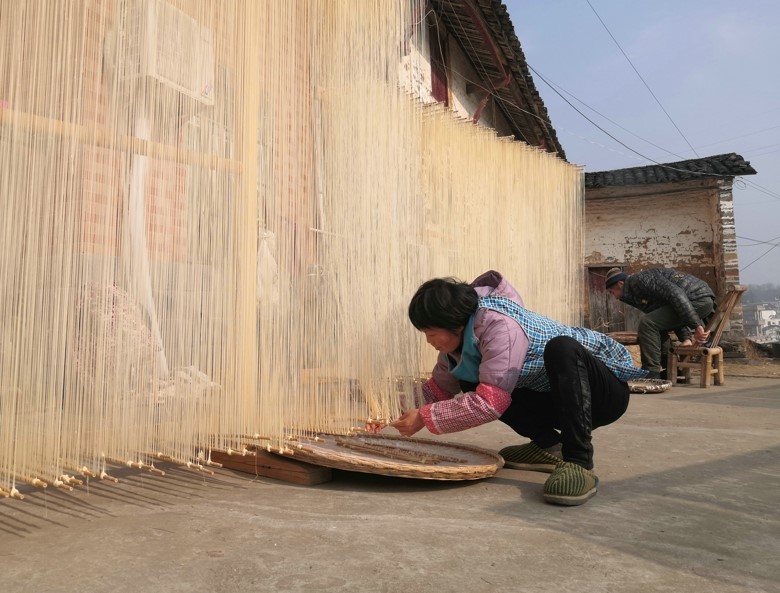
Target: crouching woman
(549, 382)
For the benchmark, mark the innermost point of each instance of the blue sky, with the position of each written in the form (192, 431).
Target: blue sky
(712, 66)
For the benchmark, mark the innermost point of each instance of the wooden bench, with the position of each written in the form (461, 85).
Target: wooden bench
(625, 338)
(707, 359)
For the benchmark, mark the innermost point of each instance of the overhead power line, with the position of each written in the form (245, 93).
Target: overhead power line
(740, 136)
(551, 83)
(759, 242)
(623, 144)
(760, 189)
(554, 87)
(647, 86)
(767, 252)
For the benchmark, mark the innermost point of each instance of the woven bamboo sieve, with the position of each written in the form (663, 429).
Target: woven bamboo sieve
(400, 457)
(648, 385)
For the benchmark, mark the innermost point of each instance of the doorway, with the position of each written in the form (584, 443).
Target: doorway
(605, 313)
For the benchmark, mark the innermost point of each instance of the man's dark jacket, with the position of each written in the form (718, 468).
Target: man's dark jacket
(652, 289)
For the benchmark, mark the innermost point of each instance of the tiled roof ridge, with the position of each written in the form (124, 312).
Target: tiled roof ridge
(721, 165)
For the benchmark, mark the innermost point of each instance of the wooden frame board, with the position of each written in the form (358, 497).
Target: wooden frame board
(268, 465)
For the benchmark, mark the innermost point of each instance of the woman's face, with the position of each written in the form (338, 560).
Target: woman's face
(444, 340)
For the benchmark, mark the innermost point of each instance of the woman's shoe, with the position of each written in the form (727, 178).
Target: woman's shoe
(531, 457)
(570, 484)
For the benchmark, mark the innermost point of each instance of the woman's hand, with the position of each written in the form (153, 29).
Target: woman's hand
(409, 423)
(374, 427)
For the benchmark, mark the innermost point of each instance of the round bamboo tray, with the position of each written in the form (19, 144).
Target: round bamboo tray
(400, 456)
(648, 385)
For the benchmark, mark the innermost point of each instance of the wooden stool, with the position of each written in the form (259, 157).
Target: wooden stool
(707, 359)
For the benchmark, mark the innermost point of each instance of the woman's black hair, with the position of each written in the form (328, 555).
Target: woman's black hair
(445, 303)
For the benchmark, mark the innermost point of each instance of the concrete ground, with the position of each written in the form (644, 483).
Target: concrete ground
(688, 502)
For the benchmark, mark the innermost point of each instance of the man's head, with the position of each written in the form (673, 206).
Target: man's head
(616, 279)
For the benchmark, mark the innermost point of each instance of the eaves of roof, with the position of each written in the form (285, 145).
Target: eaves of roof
(723, 165)
(519, 100)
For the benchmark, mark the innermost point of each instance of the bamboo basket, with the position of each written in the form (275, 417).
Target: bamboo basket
(648, 385)
(400, 456)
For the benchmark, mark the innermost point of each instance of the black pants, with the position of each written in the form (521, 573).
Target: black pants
(654, 328)
(585, 395)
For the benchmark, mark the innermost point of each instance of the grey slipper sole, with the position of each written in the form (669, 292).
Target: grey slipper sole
(570, 501)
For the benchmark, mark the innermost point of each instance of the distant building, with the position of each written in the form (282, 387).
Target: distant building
(762, 322)
(675, 215)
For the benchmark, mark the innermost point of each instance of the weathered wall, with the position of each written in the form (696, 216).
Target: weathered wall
(466, 104)
(673, 229)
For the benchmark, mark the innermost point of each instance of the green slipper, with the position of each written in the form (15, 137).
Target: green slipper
(570, 485)
(529, 457)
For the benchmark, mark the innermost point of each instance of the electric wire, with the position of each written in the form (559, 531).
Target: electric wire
(636, 152)
(647, 86)
(549, 82)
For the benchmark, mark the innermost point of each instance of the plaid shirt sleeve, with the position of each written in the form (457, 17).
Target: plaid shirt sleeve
(485, 404)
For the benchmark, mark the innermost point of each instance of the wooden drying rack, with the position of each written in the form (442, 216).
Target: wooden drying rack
(106, 138)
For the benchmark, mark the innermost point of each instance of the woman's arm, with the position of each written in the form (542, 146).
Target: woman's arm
(503, 345)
